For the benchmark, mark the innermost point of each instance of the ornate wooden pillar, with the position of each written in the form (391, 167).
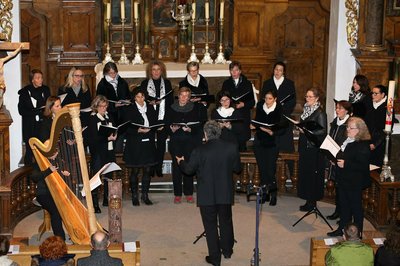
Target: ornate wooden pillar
(5, 122)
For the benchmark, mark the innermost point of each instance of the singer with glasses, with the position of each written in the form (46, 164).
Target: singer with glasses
(353, 174)
(311, 160)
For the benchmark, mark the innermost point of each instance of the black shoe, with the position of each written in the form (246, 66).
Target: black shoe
(333, 216)
(209, 260)
(97, 209)
(105, 203)
(145, 199)
(337, 232)
(227, 255)
(135, 199)
(308, 206)
(159, 171)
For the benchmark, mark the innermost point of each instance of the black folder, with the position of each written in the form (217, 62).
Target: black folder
(157, 99)
(150, 126)
(204, 97)
(258, 124)
(186, 124)
(236, 99)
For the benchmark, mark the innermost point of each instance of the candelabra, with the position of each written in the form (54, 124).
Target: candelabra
(182, 17)
(386, 174)
(138, 58)
(193, 57)
(220, 58)
(107, 57)
(207, 58)
(123, 60)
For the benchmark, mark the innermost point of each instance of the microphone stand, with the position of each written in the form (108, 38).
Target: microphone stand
(255, 260)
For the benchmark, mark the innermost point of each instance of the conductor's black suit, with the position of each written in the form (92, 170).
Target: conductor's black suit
(214, 163)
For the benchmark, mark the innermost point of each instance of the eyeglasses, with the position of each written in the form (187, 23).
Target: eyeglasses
(351, 128)
(103, 105)
(78, 76)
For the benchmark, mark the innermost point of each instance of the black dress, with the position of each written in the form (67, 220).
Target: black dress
(228, 134)
(31, 101)
(161, 113)
(244, 87)
(182, 143)
(311, 161)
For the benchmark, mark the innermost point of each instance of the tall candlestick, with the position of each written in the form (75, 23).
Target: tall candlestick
(207, 10)
(136, 10)
(221, 10)
(193, 10)
(108, 12)
(389, 110)
(122, 9)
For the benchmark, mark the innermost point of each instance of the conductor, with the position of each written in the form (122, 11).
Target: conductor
(214, 163)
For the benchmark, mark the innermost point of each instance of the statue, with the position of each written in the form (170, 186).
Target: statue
(2, 62)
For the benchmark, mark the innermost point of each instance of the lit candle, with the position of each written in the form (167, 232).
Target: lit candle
(122, 9)
(108, 12)
(207, 10)
(390, 102)
(136, 10)
(221, 10)
(194, 10)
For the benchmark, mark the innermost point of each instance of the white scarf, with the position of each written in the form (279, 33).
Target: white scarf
(225, 112)
(103, 118)
(113, 82)
(278, 82)
(193, 82)
(347, 141)
(270, 109)
(308, 110)
(376, 105)
(340, 122)
(151, 89)
(142, 111)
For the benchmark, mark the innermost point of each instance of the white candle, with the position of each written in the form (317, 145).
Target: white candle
(122, 9)
(221, 10)
(390, 102)
(207, 10)
(108, 12)
(136, 10)
(194, 10)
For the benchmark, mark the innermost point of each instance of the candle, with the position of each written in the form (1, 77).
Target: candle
(122, 9)
(390, 102)
(221, 10)
(108, 12)
(193, 10)
(207, 10)
(136, 10)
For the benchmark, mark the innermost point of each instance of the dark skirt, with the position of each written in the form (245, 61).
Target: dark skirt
(311, 172)
(139, 152)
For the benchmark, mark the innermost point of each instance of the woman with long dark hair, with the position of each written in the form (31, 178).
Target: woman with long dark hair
(359, 95)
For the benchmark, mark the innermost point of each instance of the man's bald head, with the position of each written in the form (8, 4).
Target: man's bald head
(100, 241)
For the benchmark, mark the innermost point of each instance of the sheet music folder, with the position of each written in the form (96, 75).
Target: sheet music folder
(157, 99)
(107, 130)
(185, 124)
(204, 97)
(258, 124)
(236, 99)
(330, 148)
(307, 127)
(150, 126)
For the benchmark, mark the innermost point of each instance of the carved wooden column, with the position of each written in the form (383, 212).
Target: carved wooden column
(5, 122)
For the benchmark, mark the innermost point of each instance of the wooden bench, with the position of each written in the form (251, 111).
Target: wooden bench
(318, 250)
(80, 251)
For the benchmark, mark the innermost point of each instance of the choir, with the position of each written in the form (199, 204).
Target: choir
(150, 115)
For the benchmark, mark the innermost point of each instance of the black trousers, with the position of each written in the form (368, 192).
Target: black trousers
(178, 177)
(212, 217)
(351, 208)
(49, 205)
(266, 160)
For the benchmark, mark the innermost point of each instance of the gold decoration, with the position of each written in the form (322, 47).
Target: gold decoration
(352, 21)
(5, 20)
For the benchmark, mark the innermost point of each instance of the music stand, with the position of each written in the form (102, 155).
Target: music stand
(317, 213)
(203, 235)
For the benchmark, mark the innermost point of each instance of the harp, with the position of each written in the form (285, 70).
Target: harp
(79, 221)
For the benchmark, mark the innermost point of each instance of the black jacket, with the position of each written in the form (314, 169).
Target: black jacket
(214, 164)
(315, 139)
(286, 88)
(99, 258)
